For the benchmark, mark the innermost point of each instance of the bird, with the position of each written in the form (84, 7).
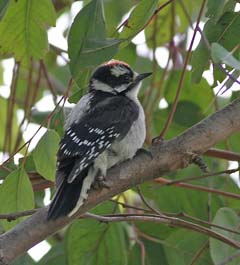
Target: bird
(105, 128)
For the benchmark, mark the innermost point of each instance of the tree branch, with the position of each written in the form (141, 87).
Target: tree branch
(13, 216)
(163, 219)
(167, 156)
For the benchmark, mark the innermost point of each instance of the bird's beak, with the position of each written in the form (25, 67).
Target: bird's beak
(137, 79)
(140, 77)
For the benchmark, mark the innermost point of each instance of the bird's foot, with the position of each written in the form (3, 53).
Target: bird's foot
(100, 182)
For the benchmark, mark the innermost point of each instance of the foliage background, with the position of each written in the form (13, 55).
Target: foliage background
(42, 69)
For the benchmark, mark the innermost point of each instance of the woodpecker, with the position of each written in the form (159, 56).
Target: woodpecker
(105, 128)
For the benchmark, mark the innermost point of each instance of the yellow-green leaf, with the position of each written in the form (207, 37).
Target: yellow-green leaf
(16, 195)
(44, 155)
(23, 28)
(138, 19)
(87, 41)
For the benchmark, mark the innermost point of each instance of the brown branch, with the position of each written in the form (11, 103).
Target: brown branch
(172, 221)
(224, 154)
(200, 221)
(14, 216)
(127, 206)
(200, 188)
(50, 86)
(10, 109)
(166, 156)
(146, 203)
(156, 11)
(171, 182)
(180, 84)
(199, 252)
(230, 258)
(46, 120)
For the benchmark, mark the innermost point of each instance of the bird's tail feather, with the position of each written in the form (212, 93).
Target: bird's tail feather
(66, 197)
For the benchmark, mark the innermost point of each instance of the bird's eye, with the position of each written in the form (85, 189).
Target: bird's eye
(127, 78)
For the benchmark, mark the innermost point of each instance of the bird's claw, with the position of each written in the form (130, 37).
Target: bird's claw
(100, 182)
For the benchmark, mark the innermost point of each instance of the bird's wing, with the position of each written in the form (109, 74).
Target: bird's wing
(88, 138)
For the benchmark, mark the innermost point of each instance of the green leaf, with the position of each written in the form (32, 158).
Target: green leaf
(75, 97)
(187, 113)
(25, 24)
(216, 8)
(56, 256)
(175, 199)
(114, 11)
(127, 54)
(225, 32)
(93, 243)
(220, 251)
(229, 82)
(199, 94)
(221, 55)
(24, 260)
(22, 88)
(159, 30)
(57, 120)
(181, 247)
(17, 194)
(99, 243)
(87, 42)
(138, 19)
(3, 7)
(44, 154)
(154, 253)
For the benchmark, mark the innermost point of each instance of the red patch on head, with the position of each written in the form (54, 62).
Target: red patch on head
(115, 62)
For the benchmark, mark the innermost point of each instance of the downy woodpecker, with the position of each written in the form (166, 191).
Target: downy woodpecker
(106, 127)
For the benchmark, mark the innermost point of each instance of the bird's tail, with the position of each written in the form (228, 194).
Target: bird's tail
(66, 197)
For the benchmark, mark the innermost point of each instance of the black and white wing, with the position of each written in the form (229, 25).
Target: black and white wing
(109, 120)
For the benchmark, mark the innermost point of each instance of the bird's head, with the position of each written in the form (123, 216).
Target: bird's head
(116, 77)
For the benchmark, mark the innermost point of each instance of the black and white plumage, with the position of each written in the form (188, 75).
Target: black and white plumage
(106, 127)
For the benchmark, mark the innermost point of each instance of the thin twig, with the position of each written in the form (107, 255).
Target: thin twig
(200, 221)
(10, 109)
(180, 84)
(148, 237)
(125, 22)
(228, 171)
(224, 154)
(231, 258)
(42, 185)
(142, 248)
(27, 106)
(124, 205)
(51, 87)
(164, 220)
(199, 252)
(200, 188)
(13, 216)
(63, 98)
(145, 201)
(182, 214)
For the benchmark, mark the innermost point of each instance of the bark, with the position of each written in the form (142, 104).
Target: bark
(166, 156)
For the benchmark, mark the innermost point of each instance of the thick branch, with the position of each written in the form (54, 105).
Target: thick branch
(166, 157)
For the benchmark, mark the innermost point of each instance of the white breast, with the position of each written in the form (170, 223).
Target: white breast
(128, 146)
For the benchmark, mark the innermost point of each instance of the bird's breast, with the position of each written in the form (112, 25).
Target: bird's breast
(128, 146)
